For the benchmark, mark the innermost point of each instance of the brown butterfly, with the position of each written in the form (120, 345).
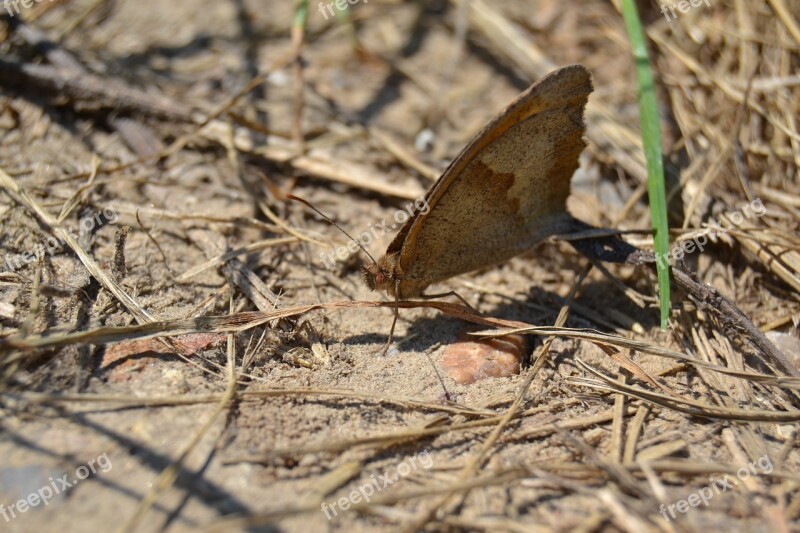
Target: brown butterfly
(505, 192)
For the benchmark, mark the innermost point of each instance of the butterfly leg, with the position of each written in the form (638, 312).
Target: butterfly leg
(394, 320)
(445, 295)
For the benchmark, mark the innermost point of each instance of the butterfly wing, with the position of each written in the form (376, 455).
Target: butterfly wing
(506, 190)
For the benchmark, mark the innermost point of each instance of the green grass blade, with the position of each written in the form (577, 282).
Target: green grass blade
(301, 15)
(651, 137)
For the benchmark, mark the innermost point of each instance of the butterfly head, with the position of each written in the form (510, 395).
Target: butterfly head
(381, 274)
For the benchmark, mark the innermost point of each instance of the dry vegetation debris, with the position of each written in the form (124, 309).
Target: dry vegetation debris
(185, 326)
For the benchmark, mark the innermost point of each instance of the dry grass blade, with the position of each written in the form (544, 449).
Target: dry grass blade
(406, 436)
(600, 339)
(155, 401)
(683, 405)
(224, 258)
(781, 259)
(235, 322)
(346, 173)
(393, 438)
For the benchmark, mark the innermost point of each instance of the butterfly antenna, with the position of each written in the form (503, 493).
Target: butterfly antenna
(331, 222)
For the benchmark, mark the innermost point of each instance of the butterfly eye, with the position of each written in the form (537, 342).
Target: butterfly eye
(368, 277)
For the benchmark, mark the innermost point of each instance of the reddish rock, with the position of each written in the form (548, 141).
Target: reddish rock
(133, 356)
(468, 361)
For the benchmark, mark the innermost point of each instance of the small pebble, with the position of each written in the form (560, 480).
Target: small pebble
(424, 141)
(470, 360)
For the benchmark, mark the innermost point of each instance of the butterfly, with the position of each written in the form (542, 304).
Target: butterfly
(506, 191)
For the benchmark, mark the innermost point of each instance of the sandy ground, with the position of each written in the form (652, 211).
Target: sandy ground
(319, 413)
